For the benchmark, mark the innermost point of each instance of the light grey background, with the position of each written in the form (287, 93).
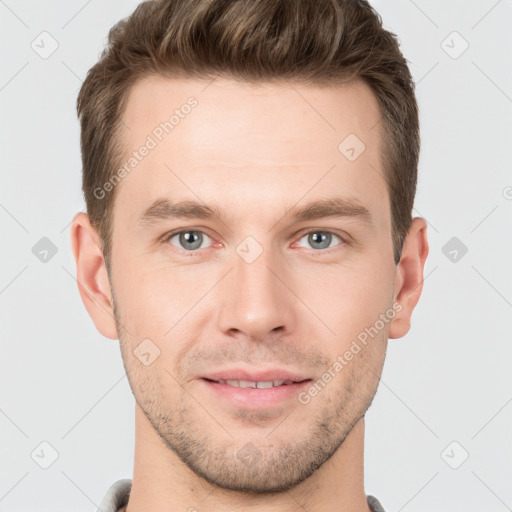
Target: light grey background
(446, 387)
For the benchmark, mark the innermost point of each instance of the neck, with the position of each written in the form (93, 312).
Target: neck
(162, 482)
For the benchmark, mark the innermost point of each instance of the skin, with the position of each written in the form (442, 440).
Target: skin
(256, 152)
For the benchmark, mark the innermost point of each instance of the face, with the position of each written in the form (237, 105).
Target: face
(276, 271)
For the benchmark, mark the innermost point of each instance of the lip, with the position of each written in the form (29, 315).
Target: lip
(256, 376)
(255, 398)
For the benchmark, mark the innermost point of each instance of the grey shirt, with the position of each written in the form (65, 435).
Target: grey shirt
(117, 497)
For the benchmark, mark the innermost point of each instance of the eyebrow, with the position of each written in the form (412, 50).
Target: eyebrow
(163, 209)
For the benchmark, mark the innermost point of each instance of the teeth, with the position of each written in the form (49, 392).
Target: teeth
(246, 384)
(252, 384)
(263, 385)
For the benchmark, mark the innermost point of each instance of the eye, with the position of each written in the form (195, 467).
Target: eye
(321, 239)
(188, 240)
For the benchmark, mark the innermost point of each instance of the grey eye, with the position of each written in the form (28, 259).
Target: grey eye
(189, 240)
(320, 239)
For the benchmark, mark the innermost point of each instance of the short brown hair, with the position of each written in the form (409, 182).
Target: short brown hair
(317, 42)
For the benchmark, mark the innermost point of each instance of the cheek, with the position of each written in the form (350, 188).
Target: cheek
(348, 298)
(158, 299)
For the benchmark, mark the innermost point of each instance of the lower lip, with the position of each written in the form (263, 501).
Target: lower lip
(255, 397)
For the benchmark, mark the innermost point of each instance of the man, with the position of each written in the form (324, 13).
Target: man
(249, 171)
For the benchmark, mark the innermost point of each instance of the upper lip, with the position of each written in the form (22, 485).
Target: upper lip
(255, 376)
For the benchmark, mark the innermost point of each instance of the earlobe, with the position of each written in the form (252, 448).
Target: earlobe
(409, 276)
(91, 274)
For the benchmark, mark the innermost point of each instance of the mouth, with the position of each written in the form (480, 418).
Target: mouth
(267, 378)
(255, 391)
(264, 384)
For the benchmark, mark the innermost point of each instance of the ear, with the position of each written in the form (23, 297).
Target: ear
(409, 277)
(92, 276)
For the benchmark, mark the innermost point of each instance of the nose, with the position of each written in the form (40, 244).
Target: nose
(256, 301)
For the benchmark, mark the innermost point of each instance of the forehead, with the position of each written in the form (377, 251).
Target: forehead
(247, 144)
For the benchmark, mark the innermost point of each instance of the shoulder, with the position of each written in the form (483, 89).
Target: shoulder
(374, 504)
(116, 496)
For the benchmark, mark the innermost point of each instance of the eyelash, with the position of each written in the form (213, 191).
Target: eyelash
(316, 252)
